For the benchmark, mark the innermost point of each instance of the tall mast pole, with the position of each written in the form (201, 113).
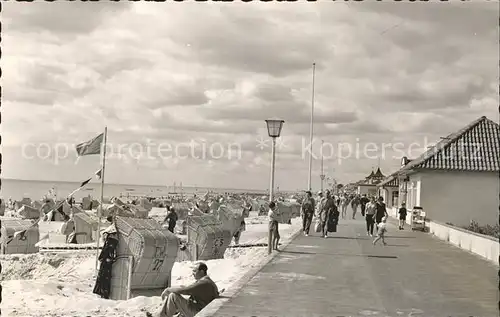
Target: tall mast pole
(309, 185)
(322, 176)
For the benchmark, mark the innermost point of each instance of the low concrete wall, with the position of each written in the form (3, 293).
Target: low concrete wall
(484, 246)
(479, 244)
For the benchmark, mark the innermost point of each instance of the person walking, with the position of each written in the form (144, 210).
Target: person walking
(402, 216)
(363, 201)
(317, 212)
(381, 210)
(321, 200)
(171, 219)
(307, 212)
(354, 205)
(344, 203)
(329, 215)
(371, 210)
(381, 230)
(337, 200)
(273, 225)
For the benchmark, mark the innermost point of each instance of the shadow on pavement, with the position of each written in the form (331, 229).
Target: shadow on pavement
(334, 237)
(340, 254)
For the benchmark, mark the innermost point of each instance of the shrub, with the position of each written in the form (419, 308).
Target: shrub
(489, 230)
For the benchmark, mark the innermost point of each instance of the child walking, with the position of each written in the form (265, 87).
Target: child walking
(382, 229)
(402, 216)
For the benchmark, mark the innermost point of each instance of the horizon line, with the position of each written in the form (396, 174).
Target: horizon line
(155, 185)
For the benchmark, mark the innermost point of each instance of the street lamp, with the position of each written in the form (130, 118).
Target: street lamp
(274, 130)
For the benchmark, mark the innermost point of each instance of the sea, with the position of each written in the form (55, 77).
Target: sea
(17, 189)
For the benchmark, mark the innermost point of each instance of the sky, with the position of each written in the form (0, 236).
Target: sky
(184, 88)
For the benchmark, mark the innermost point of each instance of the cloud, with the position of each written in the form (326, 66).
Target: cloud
(170, 90)
(250, 51)
(273, 100)
(47, 82)
(167, 121)
(62, 19)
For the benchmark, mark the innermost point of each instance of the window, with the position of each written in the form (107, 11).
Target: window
(414, 193)
(395, 197)
(411, 200)
(417, 193)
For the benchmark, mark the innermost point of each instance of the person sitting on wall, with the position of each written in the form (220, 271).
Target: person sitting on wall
(202, 292)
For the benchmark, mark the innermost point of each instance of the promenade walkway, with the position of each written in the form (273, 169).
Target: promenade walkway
(345, 275)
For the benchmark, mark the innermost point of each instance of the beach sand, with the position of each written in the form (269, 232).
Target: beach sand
(60, 284)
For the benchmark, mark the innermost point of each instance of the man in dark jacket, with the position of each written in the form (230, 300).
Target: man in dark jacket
(202, 292)
(402, 216)
(381, 210)
(364, 200)
(307, 212)
(327, 213)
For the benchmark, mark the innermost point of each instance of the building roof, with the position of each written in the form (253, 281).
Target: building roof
(378, 174)
(476, 147)
(390, 181)
(371, 180)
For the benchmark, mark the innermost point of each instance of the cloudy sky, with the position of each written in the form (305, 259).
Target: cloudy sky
(184, 88)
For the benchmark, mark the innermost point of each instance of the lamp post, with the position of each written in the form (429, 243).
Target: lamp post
(322, 175)
(274, 130)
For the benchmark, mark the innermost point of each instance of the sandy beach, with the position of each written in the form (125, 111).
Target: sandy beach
(60, 284)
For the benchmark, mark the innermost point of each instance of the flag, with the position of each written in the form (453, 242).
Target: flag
(99, 174)
(85, 182)
(91, 147)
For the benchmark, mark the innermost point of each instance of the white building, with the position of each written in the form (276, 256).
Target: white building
(457, 180)
(368, 186)
(389, 190)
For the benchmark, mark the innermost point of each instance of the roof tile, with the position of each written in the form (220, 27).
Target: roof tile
(474, 148)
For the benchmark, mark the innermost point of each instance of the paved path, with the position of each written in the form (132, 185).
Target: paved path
(345, 275)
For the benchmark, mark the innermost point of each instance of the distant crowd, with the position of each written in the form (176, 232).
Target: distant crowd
(327, 208)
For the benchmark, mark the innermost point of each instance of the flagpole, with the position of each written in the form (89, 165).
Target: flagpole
(99, 210)
(311, 131)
